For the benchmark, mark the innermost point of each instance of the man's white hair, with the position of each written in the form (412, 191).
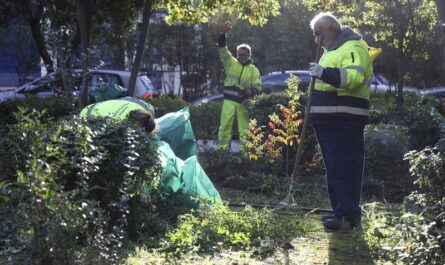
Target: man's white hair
(327, 20)
(245, 47)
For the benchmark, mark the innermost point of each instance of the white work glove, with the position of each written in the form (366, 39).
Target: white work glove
(315, 70)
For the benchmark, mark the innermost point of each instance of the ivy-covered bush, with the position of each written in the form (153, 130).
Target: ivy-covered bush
(386, 173)
(72, 187)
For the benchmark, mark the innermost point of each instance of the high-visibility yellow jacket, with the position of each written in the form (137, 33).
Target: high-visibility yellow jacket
(342, 92)
(116, 108)
(239, 77)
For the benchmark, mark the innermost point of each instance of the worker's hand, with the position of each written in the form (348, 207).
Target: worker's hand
(227, 26)
(315, 70)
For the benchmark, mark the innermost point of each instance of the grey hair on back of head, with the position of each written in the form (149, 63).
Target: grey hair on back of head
(328, 21)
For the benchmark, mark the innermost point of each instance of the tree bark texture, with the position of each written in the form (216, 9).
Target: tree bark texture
(34, 23)
(441, 10)
(84, 42)
(140, 46)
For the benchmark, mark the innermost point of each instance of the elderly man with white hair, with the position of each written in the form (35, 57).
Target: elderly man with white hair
(339, 112)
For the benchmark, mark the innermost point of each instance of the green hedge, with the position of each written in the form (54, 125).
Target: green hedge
(423, 121)
(67, 184)
(55, 107)
(386, 173)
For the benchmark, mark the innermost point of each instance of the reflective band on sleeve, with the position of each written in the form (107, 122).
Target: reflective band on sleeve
(356, 67)
(231, 92)
(343, 78)
(339, 109)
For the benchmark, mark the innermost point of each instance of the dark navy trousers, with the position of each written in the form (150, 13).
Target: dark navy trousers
(343, 149)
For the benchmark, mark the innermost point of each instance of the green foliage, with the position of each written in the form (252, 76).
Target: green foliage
(55, 107)
(421, 119)
(205, 120)
(255, 12)
(428, 167)
(386, 174)
(282, 130)
(165, 104)
(415, 234)
(70, 186)
(212, 228)
(237, 171)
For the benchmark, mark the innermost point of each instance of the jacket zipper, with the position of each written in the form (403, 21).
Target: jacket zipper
(239, 79)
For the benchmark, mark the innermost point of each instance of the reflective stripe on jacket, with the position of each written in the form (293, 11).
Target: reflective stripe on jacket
(350, 100)
(238, 77)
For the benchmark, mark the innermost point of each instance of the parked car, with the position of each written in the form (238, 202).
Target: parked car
(276, 81)
(98, 78)
(437, 92)
(50, 84)
(207, 99)
(379, 84)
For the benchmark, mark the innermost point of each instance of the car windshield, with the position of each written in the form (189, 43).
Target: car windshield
(147, 83)
(280, 79)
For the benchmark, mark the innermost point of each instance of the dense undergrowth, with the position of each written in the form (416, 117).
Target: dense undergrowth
(73, 192)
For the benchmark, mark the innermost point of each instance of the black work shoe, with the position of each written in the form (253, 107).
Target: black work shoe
(337, 223)
(326, 217)
(343, 222)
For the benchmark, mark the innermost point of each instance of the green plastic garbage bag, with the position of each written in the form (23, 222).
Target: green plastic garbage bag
(175, 129)
(197, 184)
(107, 92)
(171, 182)
(185, 178)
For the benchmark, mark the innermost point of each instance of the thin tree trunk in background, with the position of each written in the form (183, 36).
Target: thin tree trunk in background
(120, 58)
(400, 75)
(36, 30)
(140, 46)
(441, 10)
(84, 40)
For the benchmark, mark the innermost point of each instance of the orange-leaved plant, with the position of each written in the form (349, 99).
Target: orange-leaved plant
(281, 133)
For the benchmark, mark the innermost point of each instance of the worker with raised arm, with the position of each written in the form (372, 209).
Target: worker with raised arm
(242, 81)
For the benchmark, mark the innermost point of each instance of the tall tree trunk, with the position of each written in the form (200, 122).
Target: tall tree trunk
(120, 54)
(140, 46)
(400, 76)
(84, 40)
(441, 9)
(36, 30)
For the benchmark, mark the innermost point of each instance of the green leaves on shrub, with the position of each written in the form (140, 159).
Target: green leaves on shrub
(205, 120)
(424, 125)
(55, 107)
(166, 104)
(212, 228)
(73, 184)
(386, 174)
(415, 234)
(428, 167)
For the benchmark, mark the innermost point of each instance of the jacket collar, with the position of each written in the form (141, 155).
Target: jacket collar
(345, 35)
